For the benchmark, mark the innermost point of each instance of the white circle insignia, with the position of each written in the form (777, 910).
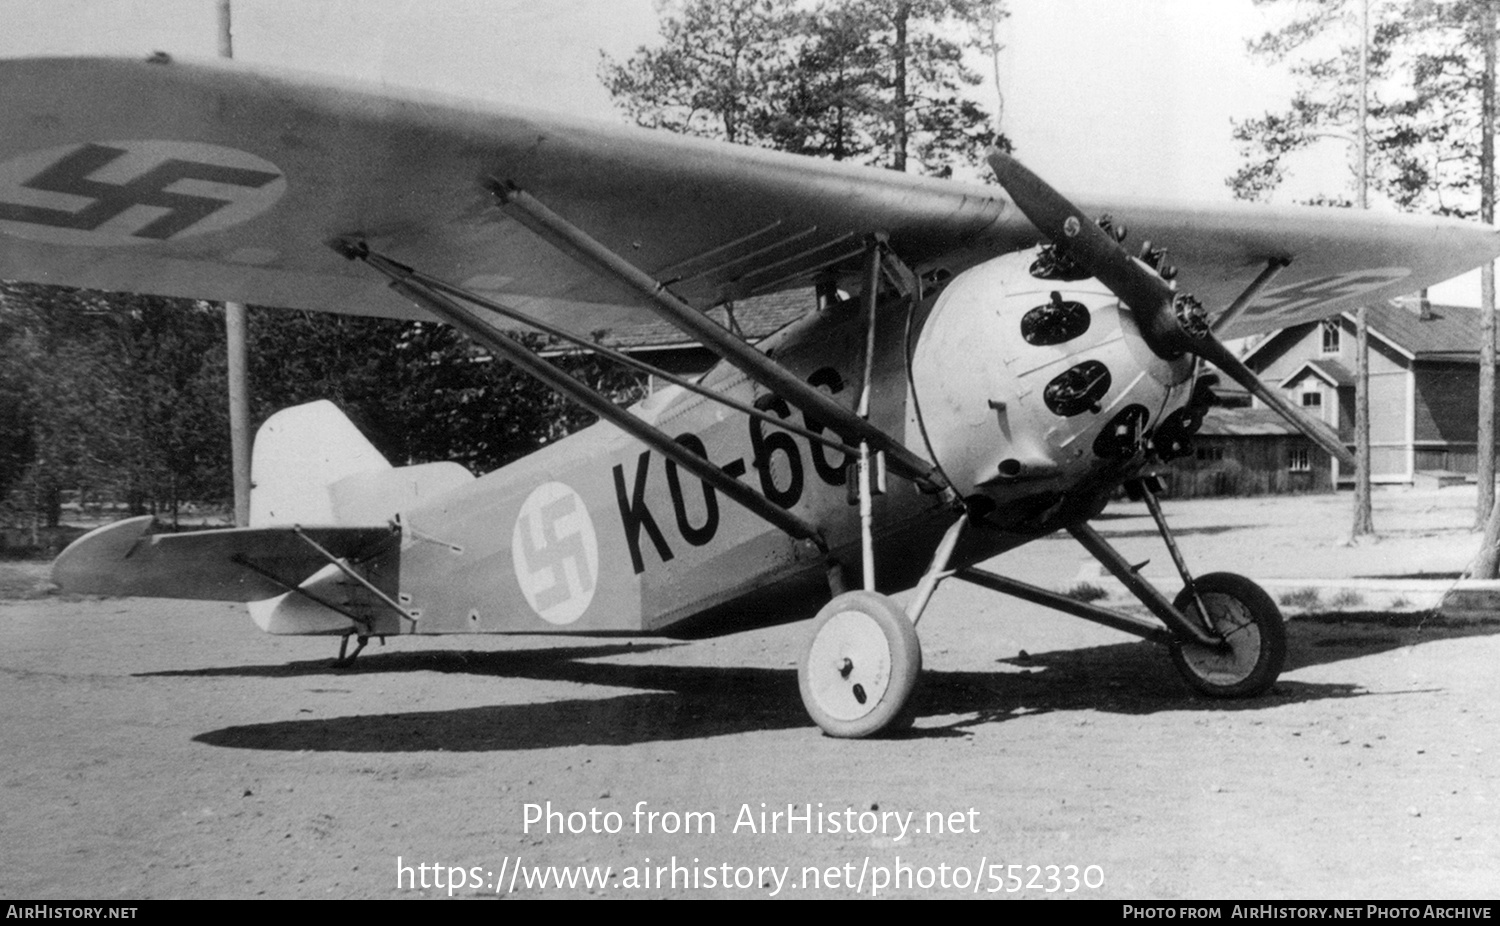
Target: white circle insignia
(104, 194)
(556, 553)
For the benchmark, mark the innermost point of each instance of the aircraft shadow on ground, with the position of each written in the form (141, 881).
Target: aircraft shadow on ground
(1211, 530)
(1321, 638)
(694, 702)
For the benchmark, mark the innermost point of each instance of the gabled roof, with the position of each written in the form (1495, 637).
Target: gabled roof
(1244, 422)
(1448, 332)
(1329, 371)
(1448, 329)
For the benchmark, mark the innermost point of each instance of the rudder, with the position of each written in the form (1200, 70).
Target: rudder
(311, 465)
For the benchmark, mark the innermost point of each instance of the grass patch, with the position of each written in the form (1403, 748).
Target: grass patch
(1086, 591)
(24, 580)
(1301, 598)
(1347, 598)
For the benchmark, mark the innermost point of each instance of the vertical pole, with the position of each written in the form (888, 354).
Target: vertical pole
(1363, 506)
(866, 477)
(236, 332)
(1487, 564)
(1364, 521)
(236, 345)
(1485, 435)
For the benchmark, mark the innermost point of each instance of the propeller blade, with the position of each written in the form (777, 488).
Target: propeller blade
(1085, 241)
(1171, 323)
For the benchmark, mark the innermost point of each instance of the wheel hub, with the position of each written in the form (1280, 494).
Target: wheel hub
(1235, 658)
(853, 646)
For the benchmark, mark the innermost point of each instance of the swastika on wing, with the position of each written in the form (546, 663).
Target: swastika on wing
(133, 192)
(555, 553)
(1290, 302)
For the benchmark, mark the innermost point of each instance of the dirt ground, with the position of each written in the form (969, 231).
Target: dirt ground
(161, 749)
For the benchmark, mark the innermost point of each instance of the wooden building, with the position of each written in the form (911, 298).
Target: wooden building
(1424, 385)
(1248, 451)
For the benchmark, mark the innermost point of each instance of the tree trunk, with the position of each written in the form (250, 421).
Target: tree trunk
(1364, 520)
(1489, 549)
(902, 103)
(1485, 436)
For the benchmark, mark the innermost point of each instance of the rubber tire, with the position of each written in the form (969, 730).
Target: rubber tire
(885, 655)
(1233, 600)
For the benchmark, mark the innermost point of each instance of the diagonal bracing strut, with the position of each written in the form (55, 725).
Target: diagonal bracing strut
(572, 240)
(404, 281)
(610, 353)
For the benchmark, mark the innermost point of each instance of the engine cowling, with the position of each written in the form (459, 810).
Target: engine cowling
(1031, 384)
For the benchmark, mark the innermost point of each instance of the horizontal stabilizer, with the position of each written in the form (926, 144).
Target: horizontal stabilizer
(126, 558)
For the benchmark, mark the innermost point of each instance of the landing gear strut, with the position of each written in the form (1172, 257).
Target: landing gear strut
(1225, 633)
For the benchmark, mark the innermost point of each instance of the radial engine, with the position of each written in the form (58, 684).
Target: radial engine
(1030, 380)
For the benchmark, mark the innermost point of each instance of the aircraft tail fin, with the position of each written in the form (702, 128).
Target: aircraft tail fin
(312, 466)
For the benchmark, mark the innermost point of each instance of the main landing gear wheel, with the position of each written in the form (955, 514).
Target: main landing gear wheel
(861, 666)
(1254, 634)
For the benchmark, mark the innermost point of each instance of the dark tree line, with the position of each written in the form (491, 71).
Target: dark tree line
(107, 396)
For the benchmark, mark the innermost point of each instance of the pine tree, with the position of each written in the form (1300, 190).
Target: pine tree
(876, 81)
(1427, 130)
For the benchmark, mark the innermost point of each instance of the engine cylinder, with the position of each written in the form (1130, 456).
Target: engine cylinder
(1027, 384)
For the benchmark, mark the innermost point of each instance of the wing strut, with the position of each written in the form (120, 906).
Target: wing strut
(575, 242)
(1241, 302)
(405, 281)
(620, 357)
(360, 621)
(867, 483)
(352, 573)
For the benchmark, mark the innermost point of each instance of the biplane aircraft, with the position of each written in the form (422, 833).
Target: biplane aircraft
(982, 365)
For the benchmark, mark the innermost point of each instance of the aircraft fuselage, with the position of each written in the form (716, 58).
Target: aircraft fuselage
(598, 533)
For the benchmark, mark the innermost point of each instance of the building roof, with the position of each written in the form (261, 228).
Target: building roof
(1329, 371)
(1244, 422)
(1444, 332)
(1446, 329)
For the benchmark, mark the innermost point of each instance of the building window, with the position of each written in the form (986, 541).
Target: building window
(1208, 454)
(1331, 334)
(1312, 400)
(1299, 460)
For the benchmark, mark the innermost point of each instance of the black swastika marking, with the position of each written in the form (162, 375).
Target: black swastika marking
(1311, 293)
(554, 552)
(71, 175)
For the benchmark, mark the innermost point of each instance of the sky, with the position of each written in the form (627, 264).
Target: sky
(1127, 97)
